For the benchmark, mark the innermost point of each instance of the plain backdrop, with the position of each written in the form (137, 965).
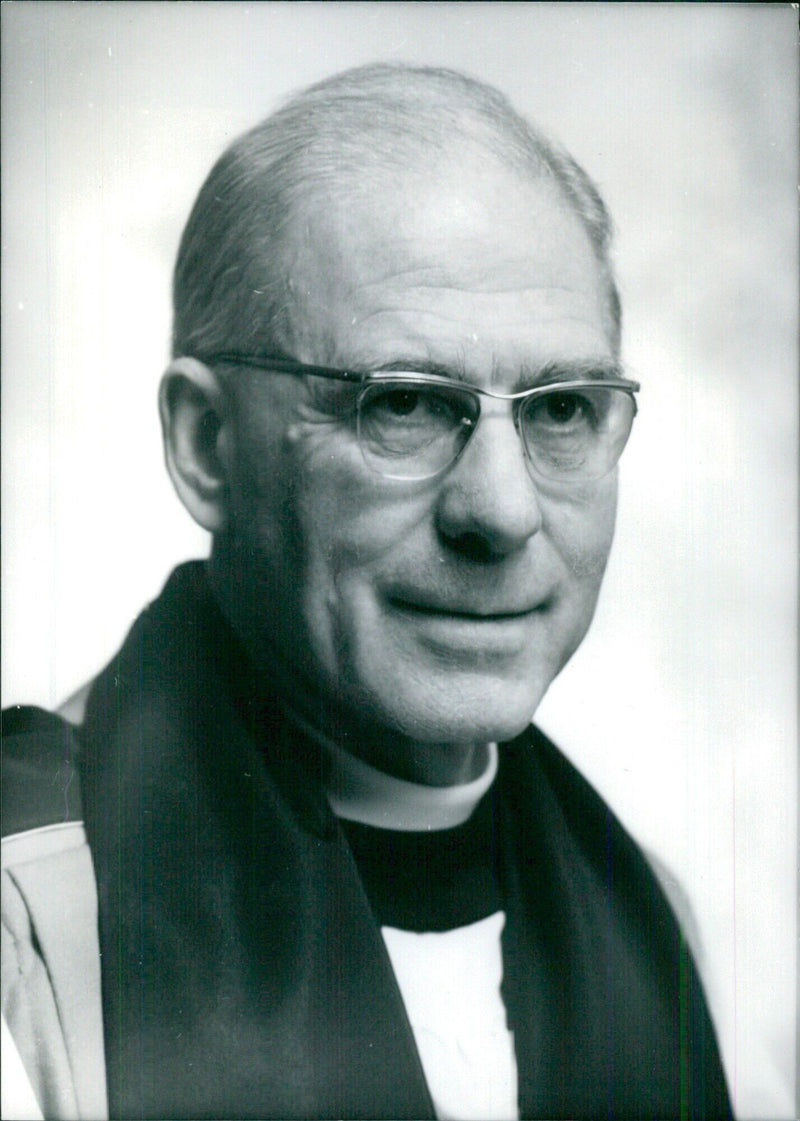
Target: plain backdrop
(680, 706)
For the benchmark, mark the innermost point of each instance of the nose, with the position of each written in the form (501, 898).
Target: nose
(488, 506)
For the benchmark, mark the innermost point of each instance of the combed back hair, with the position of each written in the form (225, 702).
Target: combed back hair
(335, 140)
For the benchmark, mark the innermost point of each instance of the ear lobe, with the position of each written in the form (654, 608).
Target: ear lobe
(194, 422)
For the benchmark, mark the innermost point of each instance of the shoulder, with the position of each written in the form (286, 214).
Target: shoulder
(561, 814)
(575, 826)
(40, 777)
(50, 958)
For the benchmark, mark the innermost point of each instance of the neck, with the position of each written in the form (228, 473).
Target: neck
(429, 764)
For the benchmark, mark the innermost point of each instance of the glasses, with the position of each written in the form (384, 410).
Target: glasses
(414, 426)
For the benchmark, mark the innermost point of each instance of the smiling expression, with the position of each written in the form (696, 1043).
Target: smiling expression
(434, 612)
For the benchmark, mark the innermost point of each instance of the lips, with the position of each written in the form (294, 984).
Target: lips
(425, 605)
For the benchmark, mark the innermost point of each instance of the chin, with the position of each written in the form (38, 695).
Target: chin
(464, 713)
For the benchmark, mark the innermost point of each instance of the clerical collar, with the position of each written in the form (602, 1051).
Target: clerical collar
(361, 793)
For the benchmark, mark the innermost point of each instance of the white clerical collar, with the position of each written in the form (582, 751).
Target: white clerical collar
(361, 793)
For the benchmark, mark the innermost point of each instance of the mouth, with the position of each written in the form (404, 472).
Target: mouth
(483, 614)
(465, 633)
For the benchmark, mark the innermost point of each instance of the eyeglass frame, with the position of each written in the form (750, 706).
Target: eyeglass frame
(280, 364)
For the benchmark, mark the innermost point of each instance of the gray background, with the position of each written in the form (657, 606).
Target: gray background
(681, 705)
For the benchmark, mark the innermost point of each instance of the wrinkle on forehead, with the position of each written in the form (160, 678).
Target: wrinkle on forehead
(412, 314)
(464, 198)
(490, 249)
(375, 298)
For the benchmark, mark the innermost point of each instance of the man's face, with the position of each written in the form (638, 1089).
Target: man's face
(440, 609)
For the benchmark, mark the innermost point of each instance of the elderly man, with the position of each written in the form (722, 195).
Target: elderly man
(321, 887)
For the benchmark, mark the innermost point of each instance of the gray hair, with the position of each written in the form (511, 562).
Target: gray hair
(228, 290)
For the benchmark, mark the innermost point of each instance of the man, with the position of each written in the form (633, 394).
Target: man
(322, 890)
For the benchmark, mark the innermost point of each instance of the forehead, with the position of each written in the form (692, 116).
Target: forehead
(468, 266)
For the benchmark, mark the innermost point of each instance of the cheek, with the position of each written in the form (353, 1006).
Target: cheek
(340, 527)
(581, 529)
(352, 536)
(580, 532)
(351, 519)
(303, 496)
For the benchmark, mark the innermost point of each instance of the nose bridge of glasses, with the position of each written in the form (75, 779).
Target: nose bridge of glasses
(489, 426)
(519, 395)
(513, 401)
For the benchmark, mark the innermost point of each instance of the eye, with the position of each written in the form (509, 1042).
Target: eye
(574, 433)
(562, 410)
(562, 407)
(413, 404)
(400, 419)
(398, 402)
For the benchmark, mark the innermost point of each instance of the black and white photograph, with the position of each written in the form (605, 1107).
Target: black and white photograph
(369, 750)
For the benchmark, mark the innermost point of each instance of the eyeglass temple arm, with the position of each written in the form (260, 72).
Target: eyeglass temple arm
(280, 365)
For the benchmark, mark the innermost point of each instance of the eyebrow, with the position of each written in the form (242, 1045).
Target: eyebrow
(417, 366)
(581, 369)
(552, 372)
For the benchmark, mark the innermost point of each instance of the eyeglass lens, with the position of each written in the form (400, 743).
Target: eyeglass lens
(415, 431)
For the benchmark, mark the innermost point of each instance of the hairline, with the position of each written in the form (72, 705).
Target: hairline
(273, 175)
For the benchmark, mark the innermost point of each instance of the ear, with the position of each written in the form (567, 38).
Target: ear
(195, 422)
